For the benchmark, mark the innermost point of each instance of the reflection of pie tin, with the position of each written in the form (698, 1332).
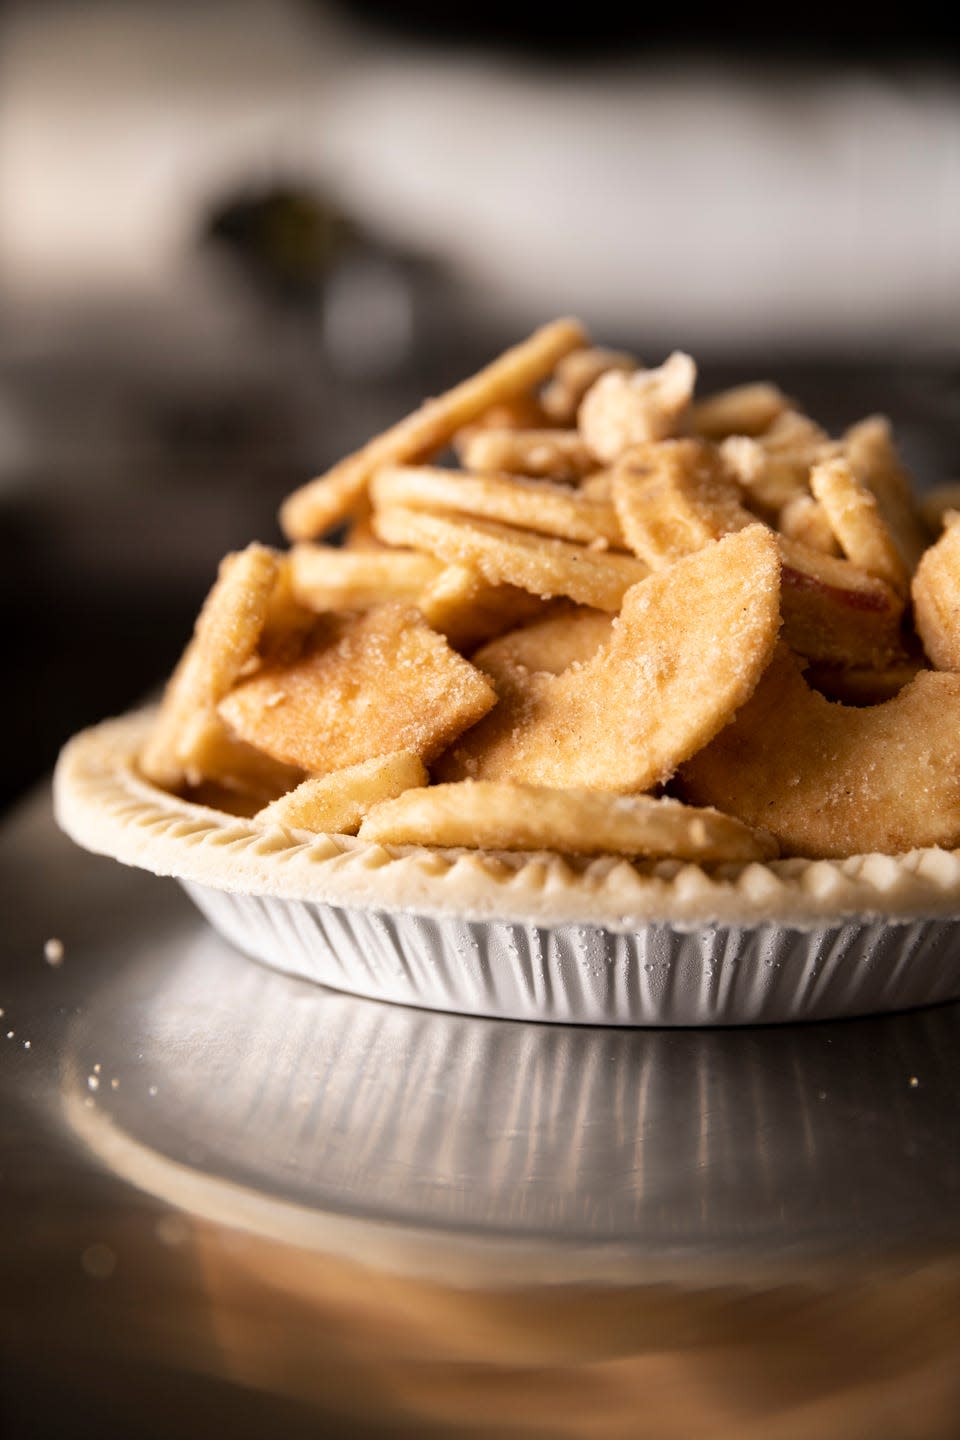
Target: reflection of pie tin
(536, 937)
(760, 1144)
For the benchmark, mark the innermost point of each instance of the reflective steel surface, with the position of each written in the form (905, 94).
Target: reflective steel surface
(231, 1198)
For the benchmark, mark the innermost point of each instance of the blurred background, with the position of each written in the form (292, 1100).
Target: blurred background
(238, 236)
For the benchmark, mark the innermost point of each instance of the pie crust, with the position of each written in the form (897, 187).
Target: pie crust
(104, 804)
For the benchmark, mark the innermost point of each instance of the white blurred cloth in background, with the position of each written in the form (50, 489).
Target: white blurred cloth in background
(725, 206)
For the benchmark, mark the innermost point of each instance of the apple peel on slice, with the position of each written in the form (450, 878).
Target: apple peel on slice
(829, 780)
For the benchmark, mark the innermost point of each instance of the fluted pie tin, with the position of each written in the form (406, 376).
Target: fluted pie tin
(534, 936)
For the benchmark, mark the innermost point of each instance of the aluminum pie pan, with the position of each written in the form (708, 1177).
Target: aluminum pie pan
(534, 936)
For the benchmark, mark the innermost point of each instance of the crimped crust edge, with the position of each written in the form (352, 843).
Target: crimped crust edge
(106, 806)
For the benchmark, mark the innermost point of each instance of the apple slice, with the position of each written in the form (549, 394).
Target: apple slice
(685, 653)
(834, 612)
(831, 780)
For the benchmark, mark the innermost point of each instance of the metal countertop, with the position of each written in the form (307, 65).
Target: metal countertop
(231, 1198)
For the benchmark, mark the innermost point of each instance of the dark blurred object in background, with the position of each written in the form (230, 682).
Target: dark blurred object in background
(137, 452)
(364, 305)
(288, 240)
(589, 30)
